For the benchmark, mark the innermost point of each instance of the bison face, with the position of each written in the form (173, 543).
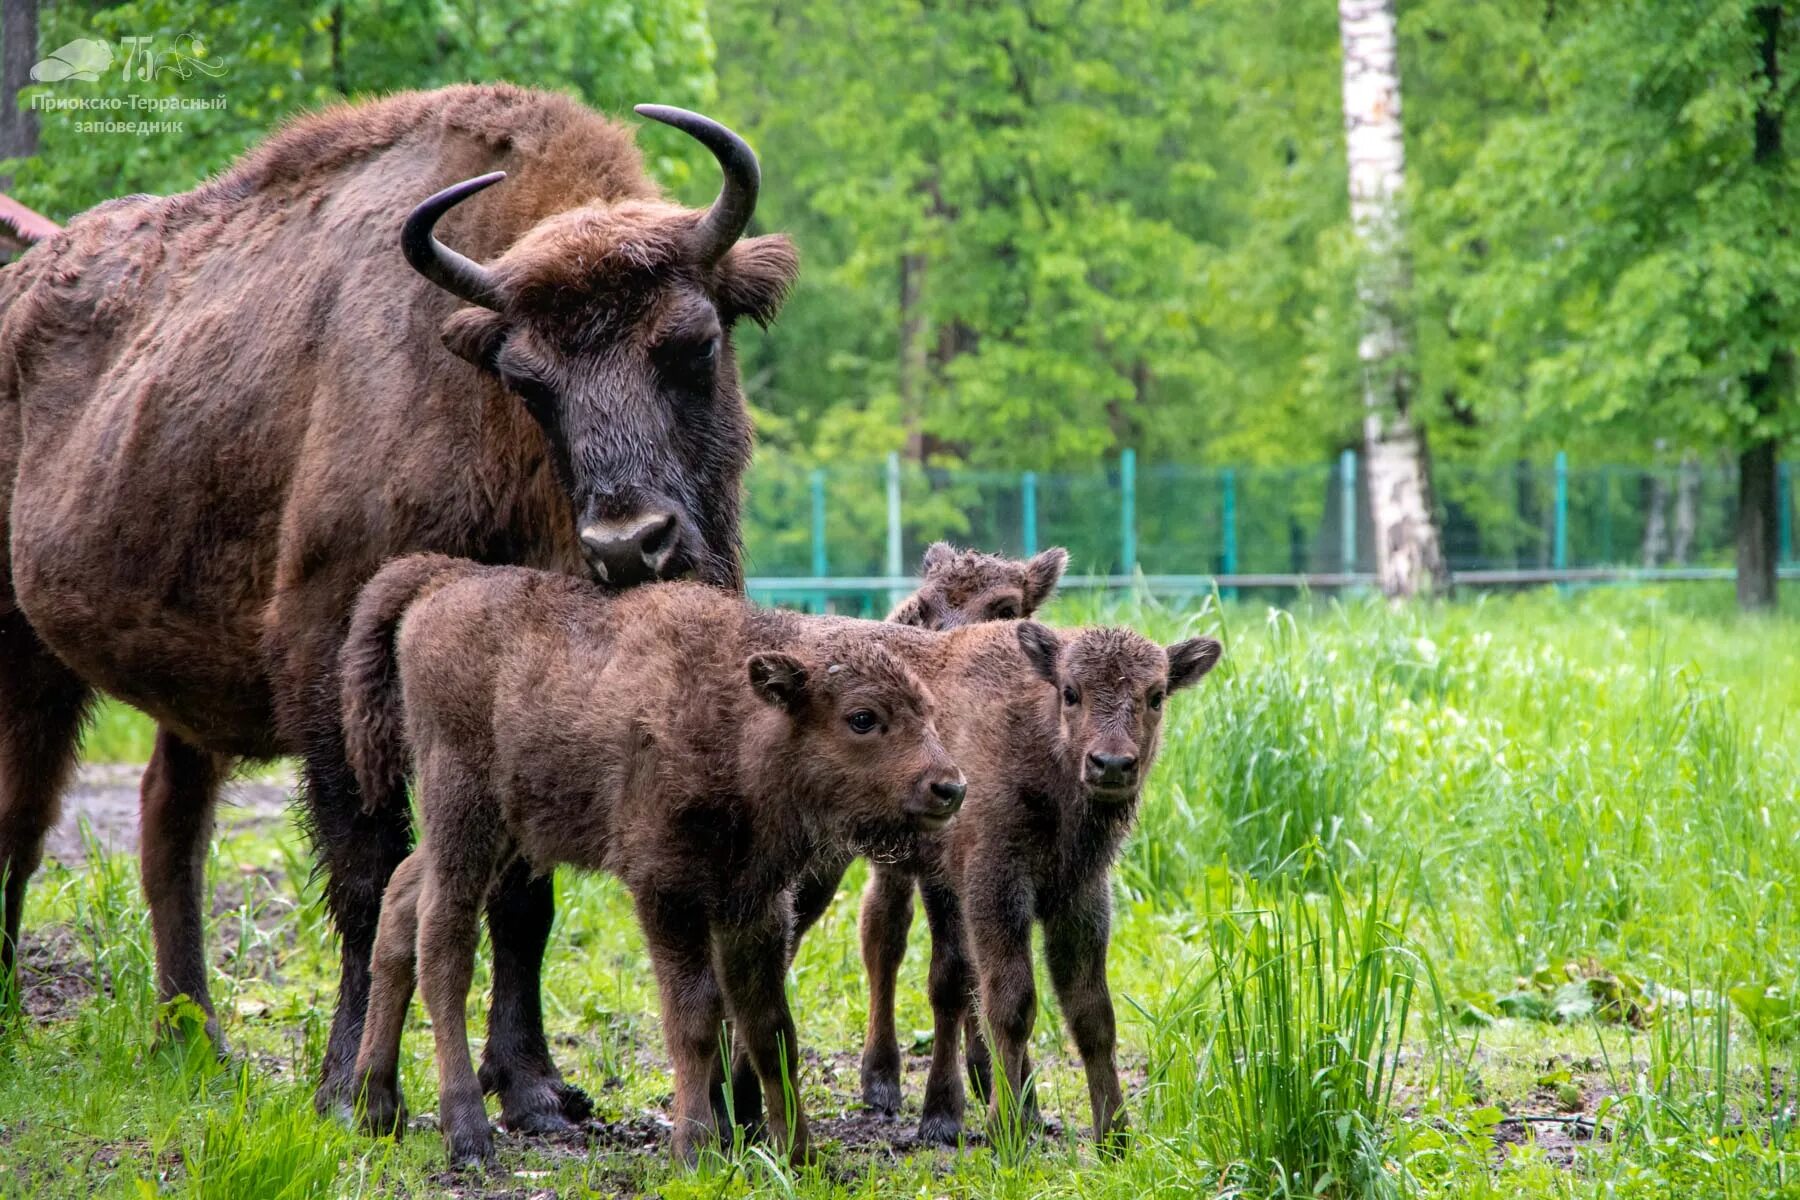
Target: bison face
(1111, 685)
(612, 325)
(865, 734)
(965, 587)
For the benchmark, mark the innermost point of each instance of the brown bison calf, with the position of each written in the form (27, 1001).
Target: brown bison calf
(1054, 782)
(956, 588)
(699, 749)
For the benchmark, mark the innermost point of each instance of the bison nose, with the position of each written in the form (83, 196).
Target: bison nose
(1111, 770)
(949, 793)
(633, 550)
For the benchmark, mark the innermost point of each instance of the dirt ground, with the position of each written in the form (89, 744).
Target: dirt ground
(106, 796)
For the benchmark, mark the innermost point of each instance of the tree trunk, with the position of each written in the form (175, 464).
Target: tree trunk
(1687, 510)
(18, 51)
(1768, 389)
(1655, 495)
(1409, 556)
(912, 353)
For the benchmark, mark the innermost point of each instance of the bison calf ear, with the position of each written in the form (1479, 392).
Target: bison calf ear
(1192, 659)
(779, 679)
(910, 611)
(475, 335)
(937, 555)
(1042, 574)
(1042, 648)
(755, 277)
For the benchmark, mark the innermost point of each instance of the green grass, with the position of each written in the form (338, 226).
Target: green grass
(1402, 881)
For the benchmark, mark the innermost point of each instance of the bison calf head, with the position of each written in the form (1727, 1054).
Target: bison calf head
(1112, 684)
(612, 323)
(863, 732)
(965, 587)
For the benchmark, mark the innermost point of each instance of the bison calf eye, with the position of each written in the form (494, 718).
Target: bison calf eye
(1069, 696)
(1156, 699)
(1005, 610)
(862, 721)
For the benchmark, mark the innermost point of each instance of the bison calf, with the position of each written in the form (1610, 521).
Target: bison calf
(1054, 784)
(697, 748)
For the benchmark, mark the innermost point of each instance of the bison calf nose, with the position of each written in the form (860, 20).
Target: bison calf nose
(633, 550)
(1111, 770)
(950, 792)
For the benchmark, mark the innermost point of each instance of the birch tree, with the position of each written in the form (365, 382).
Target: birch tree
(1409, 556)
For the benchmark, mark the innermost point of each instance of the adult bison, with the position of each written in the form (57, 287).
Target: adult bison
(221, 411)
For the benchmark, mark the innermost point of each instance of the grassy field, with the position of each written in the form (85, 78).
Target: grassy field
(1496, 899)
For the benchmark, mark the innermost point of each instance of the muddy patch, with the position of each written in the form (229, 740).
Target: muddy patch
(105, 797)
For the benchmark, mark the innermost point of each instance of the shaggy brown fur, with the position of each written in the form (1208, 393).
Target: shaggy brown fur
(960, 587)
(956, 588)
(221, 411)
(698, 749)
(1054, 779)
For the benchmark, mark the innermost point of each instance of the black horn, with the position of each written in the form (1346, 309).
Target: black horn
(725, 221)
(437, 262)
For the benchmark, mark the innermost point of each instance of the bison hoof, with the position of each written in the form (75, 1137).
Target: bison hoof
(470, 1149)
(940, 1129)
(383, 1111)
(881, 1093)
(576, 1104)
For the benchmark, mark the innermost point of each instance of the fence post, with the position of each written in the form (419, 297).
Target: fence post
(1784, 513)
(1127, 511)
(894, 567)
(1228, 563)
(1347, 511)
(1028, 512)
(819, 564)
(1559, 546)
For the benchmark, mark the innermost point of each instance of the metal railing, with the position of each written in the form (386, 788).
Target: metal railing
(848, 536)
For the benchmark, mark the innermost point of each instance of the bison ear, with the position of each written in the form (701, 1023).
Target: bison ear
(910, 611)
(476, 335)
(778, 679)
(754, 278)
(1190, 660)
(1042, 574)
(938, 554)
(1042, 648)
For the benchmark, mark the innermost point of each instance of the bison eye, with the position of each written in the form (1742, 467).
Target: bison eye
(1156, 699)
(1069, 696)
(862, 721)
(1004, 610)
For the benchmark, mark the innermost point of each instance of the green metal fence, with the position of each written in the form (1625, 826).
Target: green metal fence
(849, 536)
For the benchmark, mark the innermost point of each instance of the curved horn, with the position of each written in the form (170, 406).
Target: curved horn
(437, 262)
(725, 221)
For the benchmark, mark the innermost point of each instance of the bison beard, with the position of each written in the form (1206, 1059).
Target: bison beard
(221, 411)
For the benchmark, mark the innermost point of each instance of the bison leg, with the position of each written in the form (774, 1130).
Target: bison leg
(752, 967)
(812, 897)
(952, 992)
(692, 1012)
(360, 851)
(449, 931)
(41, 708)
(1075, 946)
(887, 911)
(392, 977)
(999, 922)
(175, 816)
(516, 1062)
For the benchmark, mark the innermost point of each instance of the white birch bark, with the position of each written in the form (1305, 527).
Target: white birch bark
(1409, 556)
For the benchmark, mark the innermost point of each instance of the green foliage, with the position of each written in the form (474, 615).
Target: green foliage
(267, 61)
